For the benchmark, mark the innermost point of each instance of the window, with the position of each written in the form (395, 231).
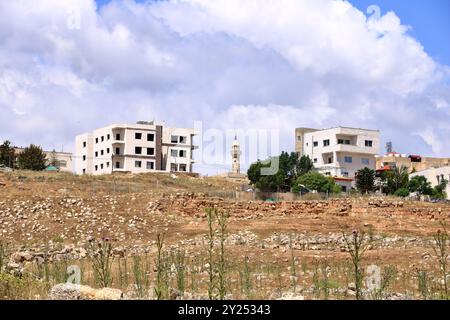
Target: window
(343, 141)
(138, 135)
(84, 171)
(174, 153)
(173, 167)
(315, 160)
(117, 165)
(108, 136)
(150, 151)
(299, 138)
(96, 153)
(365, 161)
(150, 137)
(183, 167)
(316, 143)
(345, 174)
(348, 159)
(84, 158)
(328, 173)
(138, 150)
(84, 144)
(107, 150)
(96, 140)
(330, 159)
(369, 143)
(117, 136)
(326, 143)
(101, 166)
(117, 150)
(183, 153)
(174, 139)
(96, 168)
(150, 165)
(138, 164)
(101, 152)
(183, 139)
(107, 164)
(103, 138)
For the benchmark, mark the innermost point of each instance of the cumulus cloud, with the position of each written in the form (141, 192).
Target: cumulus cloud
(67, 67)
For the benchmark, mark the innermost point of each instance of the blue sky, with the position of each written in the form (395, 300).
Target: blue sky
(259, 65)
(429, 21)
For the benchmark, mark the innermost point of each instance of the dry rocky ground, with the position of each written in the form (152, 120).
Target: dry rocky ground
(287, 250)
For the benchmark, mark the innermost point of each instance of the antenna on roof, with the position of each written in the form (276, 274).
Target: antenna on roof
(389, 147)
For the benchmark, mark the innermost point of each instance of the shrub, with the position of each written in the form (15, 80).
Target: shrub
(316, 181)
(402, 192)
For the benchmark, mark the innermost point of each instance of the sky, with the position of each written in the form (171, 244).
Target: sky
(256, 66)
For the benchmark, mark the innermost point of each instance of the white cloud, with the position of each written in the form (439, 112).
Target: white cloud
(231, 63)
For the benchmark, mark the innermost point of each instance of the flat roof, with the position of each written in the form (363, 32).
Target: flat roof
(339, 127)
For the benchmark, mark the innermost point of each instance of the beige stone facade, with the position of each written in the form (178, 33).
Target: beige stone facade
(413, 163)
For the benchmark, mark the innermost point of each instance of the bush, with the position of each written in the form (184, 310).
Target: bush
(318, 182)
(402, 192)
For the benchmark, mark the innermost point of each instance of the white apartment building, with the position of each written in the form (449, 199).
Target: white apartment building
(136, 148)
(436, 176)
(339, 152)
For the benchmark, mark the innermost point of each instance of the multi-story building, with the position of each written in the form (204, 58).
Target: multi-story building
(136, 148)
(339, 152)
(412, 162)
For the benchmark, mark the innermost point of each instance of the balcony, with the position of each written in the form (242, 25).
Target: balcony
(354, 149)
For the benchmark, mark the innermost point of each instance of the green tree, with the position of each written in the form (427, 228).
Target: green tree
(396, 179)
(32, 158)
(304, 165)
(7, 154)
(439, 190)
(365, 180)
(420, 185)
(318, 182)
(282, 180)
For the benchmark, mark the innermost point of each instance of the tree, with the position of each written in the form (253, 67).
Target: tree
(365, 180)
(32, 158)
(420, 185)
(318, 182)
(304, 165)
(439, 190)
(282, 180)
(7, 154)
(396, 179)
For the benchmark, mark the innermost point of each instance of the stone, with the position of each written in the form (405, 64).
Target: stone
(70, 291)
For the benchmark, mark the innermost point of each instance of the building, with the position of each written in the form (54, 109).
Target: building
(339, 152)
(436, 176)
(62, 160)
(135, 148)
(414, 163)
(235, 157)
